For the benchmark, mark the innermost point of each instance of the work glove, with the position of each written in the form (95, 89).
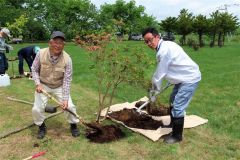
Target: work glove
(153, 95)
(10, 47)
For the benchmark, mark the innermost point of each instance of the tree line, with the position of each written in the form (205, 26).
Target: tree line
(36, 19)
(216, 27)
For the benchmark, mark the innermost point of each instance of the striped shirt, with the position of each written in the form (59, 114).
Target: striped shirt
(67, 74)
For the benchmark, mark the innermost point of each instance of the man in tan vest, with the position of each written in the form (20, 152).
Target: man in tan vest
(52, 71)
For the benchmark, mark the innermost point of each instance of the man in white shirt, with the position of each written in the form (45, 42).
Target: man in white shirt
(174, 65)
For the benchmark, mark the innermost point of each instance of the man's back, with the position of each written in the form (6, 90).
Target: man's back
(27, 51)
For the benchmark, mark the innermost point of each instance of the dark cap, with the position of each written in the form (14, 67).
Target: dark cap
(59, 34)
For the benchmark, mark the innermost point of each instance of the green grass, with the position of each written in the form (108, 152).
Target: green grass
(216, 99)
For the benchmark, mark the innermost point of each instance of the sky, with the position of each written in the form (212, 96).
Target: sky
(160, 9)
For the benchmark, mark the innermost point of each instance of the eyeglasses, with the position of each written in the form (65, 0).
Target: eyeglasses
(149, 40)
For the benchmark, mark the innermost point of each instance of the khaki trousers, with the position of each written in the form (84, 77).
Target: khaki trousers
(40, 103)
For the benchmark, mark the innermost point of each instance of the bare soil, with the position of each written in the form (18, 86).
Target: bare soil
(154, 110)
(133, 119)
(100, 134)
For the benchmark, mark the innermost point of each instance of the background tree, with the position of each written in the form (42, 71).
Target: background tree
(184, 24)
(81, 17)
(228, 24)
(10, 11)
(129, 14)
(169, 24)
(71, 17)
(200, 26)
(34, 31)
(17, 26)
(214, 26)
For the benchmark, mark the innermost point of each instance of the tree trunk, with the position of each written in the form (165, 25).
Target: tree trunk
(212, 43)
(220, 43)
(200, 39)
(223, 38)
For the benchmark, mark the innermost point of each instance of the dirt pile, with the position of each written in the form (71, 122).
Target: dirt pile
(133, 119)
(101, 134)
(154, 110)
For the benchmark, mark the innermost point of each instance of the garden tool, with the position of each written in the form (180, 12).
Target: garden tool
(48, 108)
(60, 104)
(35, 155)
(151, 94)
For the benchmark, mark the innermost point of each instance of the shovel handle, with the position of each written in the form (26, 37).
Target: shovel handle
(51, 97)
(143, 105)
(147, 102)
(60, 104)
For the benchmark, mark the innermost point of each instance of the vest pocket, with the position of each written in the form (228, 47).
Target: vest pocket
(45, 71)
(58, 73)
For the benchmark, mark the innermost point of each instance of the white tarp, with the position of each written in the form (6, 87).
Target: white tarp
(190, 121)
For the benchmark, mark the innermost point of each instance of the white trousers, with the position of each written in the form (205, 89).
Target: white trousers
(41, 102)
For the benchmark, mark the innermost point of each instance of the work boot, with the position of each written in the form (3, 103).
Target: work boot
(74, 130)
(177, 131)
(41, 131)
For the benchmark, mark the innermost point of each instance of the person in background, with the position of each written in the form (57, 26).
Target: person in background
(52, 71)
(174, 65)
(29, 54)
(4, 48)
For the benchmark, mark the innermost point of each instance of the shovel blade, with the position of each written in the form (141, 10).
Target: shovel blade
(50, 109)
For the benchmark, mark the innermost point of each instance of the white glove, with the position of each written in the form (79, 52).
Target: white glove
(10, 47)
(153, 94)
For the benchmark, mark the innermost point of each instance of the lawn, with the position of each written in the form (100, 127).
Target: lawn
(216, 99)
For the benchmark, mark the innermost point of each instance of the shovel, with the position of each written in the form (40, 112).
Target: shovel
(139, 110)
(48, 108)
(74, 114)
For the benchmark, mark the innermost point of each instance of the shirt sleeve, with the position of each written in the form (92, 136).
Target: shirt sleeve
(36, 69)
(163, 61)
(67, 80)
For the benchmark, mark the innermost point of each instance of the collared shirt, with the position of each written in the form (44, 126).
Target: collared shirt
(174, 65)
(67, 74)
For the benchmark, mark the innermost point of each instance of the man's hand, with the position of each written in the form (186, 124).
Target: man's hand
(152, 95)
(39, 88)
(10, 47)
(65, 105)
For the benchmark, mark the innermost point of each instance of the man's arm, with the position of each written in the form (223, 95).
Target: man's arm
(163, 62)
(8, 47)
(35, 73)
(67, 80)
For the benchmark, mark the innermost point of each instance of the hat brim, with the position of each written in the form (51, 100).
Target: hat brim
(59, 37)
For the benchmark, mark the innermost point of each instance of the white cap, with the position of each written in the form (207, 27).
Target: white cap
(6, 31)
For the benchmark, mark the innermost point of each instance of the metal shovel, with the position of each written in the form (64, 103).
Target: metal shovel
(48, 108)
(60, 105)
(139, 110)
